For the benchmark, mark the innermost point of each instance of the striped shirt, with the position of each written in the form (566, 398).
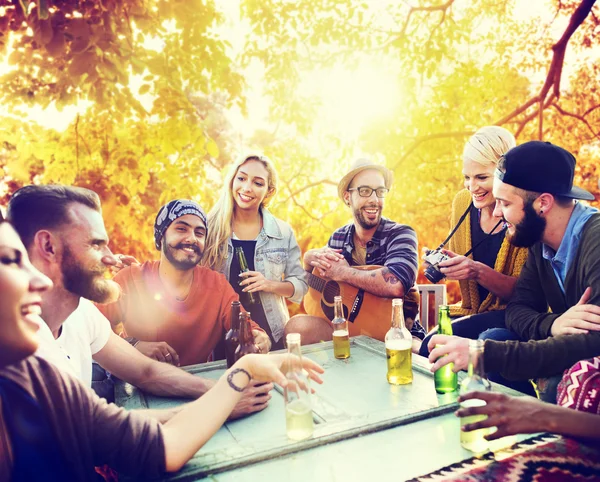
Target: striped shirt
(394, 246)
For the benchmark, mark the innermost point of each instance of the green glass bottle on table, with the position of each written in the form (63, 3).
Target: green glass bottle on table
(298, 410)
(445, 379)
(476, 381)
(252, 298)
(232, 337)
(341, 336)
(398, 344)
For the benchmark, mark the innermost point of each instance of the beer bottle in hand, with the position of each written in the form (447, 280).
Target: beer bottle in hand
(246, 345)
(253, 298)
(341, 337)
(446, 380)
(298, 411)
(232, 337)
(476, 380)
(398, 347)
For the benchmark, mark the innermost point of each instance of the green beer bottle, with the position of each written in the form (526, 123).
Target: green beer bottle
(446, 380)
(253, 298)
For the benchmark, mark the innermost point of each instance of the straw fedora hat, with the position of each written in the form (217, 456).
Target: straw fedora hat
(362, 165)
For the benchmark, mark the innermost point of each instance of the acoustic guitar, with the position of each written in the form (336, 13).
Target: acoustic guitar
(366, 313)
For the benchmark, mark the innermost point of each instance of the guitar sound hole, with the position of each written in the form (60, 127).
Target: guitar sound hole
(331, 290)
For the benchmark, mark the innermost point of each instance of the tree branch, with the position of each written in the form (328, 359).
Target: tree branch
(578, 117)
(590, 110)
(553, 78)
(420, 140)
(532, 116)
(396, 36)
(308, 186)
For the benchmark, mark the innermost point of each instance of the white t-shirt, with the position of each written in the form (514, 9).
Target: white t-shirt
(84, 333)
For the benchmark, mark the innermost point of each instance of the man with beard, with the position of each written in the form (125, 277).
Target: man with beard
(553, 319)
(372, 240)
(63, 231)
(175, 310)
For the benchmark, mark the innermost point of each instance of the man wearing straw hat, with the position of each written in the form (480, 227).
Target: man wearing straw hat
(371, 239)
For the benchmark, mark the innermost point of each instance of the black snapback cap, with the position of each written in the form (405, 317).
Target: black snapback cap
(541, 167)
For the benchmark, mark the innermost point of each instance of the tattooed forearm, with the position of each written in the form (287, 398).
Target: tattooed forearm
(380, 282)
(389, 277)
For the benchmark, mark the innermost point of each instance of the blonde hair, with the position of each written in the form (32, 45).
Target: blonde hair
(488, 144)
(221, 215)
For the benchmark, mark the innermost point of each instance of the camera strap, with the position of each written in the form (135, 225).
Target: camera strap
(460, 221)
(484, 239)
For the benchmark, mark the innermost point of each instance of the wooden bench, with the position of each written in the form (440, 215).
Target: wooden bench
(432, 296)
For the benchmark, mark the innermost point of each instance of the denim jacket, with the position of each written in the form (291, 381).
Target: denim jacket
(277, 257)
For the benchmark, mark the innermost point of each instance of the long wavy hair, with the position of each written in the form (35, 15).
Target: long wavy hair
(220, 216)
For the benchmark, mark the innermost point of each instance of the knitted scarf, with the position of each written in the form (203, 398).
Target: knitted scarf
(510, 261)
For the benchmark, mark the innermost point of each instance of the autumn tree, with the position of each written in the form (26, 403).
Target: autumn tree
(161, 78)
(463, 65)
(112, 54)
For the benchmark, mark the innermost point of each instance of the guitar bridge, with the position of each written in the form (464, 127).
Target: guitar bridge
(356, 304)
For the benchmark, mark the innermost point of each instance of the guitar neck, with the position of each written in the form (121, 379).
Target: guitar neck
(315, 282)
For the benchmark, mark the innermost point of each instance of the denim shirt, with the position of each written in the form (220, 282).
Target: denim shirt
(562, 259)
(277, 257)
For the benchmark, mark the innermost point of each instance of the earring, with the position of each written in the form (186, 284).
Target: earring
(541, 212)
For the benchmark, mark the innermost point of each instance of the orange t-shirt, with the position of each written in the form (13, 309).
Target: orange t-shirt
(193, 327)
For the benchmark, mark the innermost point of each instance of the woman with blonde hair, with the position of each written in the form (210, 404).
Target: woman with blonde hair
(240, 220)
(487, 277)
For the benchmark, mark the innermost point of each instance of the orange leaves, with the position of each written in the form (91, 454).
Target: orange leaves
(81, 64)
(56, 46)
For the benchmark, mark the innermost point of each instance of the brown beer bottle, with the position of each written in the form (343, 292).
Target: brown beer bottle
(246, 345)
(232, 338)
(253, 298)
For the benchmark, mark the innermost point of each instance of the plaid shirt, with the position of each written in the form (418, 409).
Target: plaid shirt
(394, 246)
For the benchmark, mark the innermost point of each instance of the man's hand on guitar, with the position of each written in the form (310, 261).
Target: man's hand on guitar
(322, 258)
(331, 268)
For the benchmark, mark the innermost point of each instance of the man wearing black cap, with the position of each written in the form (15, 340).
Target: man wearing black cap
(556, 306)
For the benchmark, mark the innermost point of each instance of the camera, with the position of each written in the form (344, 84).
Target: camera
(432, 272)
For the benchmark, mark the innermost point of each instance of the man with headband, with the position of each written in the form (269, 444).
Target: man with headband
(173, 309)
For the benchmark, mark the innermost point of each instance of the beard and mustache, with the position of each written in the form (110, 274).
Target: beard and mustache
(530, 230)
(188, 262)
(87, 283)
(362, 220)
(91, 284)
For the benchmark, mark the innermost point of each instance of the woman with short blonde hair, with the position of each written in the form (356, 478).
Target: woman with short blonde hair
(488, 276)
